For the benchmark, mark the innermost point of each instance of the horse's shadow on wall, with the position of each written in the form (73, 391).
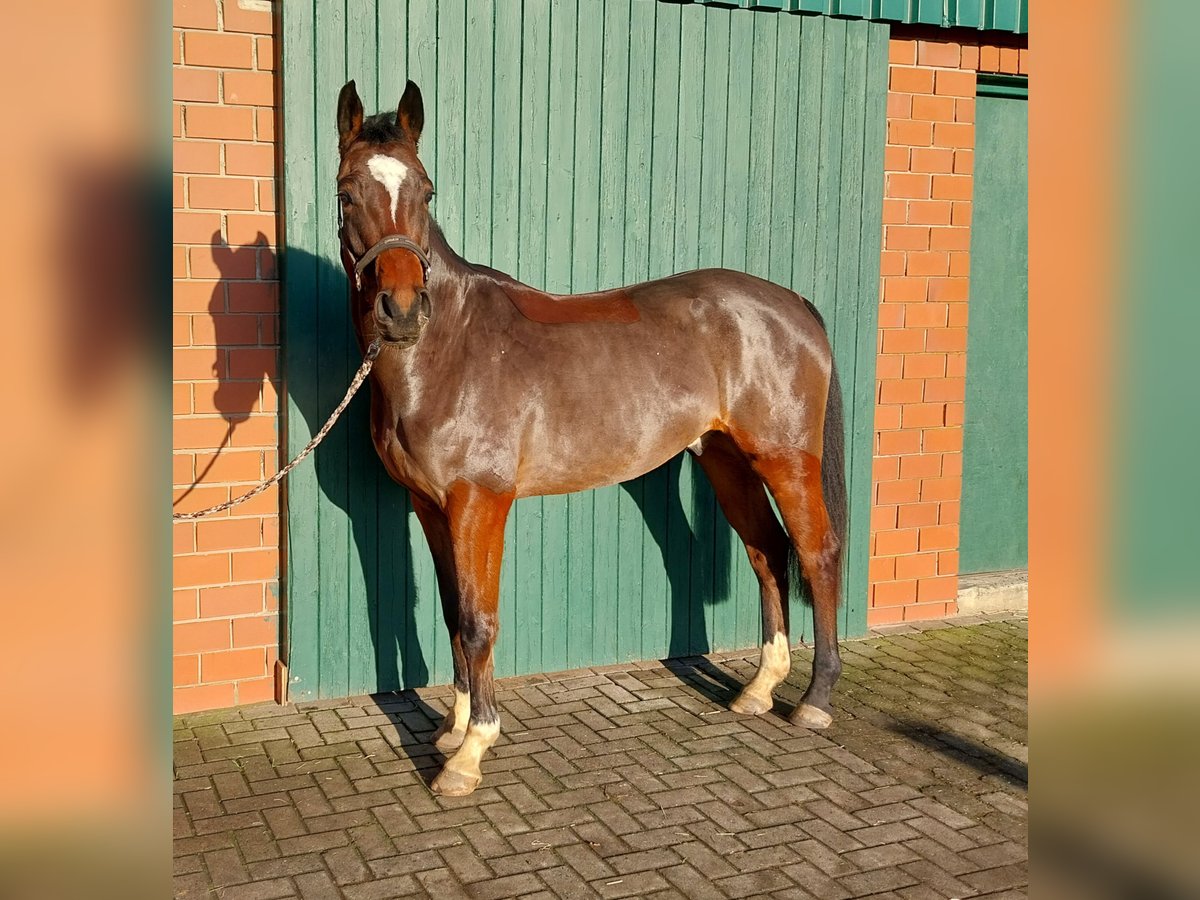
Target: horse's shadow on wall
(346, 466)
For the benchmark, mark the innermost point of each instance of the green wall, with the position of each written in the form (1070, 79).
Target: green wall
(576, 145)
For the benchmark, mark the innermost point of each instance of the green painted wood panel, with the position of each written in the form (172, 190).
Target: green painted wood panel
(986, 15)
(994, 530)
(578, 144)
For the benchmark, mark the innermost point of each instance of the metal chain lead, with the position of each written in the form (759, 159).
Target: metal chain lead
(359, 377)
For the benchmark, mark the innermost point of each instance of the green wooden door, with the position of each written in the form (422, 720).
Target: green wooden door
(576, 144)
(994, 531)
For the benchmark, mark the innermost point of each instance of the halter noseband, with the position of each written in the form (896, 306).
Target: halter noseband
(391, 242)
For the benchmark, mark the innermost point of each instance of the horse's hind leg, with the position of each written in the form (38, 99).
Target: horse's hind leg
(744, 502)
(795, 481)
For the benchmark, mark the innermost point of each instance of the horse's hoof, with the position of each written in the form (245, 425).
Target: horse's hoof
(810, 717)
(748, 704)
(448, 739)
(455, 784)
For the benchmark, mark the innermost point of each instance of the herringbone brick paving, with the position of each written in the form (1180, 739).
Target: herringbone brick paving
(632, 781)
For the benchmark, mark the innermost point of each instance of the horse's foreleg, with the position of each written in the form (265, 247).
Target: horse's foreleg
(449, 735)
(476, 521)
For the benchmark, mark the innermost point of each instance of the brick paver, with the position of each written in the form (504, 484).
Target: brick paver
(632, 781)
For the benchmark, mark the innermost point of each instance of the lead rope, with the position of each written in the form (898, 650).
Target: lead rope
(359, 377)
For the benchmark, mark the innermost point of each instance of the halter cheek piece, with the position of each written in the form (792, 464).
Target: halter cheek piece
(391, 242)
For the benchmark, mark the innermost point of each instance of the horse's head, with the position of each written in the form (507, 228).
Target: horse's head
(383, 197)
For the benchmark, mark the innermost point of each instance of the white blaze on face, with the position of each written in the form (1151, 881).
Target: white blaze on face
(389, 172)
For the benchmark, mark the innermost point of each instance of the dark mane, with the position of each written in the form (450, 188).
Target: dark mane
(381, 128)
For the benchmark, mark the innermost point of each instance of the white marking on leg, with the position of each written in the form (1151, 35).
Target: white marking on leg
(462, 709)
(775, 661)
(389, 172)
(480, 736)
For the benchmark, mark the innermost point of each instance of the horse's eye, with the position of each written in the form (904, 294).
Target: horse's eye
(429, 197)
(344, 199)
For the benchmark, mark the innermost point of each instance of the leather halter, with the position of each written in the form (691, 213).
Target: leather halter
(391, 242)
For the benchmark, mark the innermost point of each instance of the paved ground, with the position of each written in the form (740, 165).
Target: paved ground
(632, 781)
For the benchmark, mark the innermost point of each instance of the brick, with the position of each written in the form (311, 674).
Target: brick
(201, 85)
(895, 593)
(887, 418)
(264, 54)
(945, 389)
(964, 162)
(230, 465)
(891, 262)
(948, 290)
(941, 489)
(898, 443)
(951, 239)
(938, 53)
(915, 515)
(260, 565)
(235, 18)
(193, 571)
(932, 159)
(249, 88)
(970, 57)
(949, 512)
(922, 415)
(954, 83)
(196, 157)
(897, 492)
(938, 537)
(220, 193)
(906, 237)
(954, 413)
(256, 631)
(200, 637)
(904, 290)
(1010, 60)
(895, 212)
(185, 670)
(961, 214)
(222, 262)
(881, 568)
(948, 562)
(204, 696)
(899, 106)
(922, 465)
(964, 111)
(942, 440)
(253, 297)
(199, 434)
(954, 134)
(226, 51)
(951, 187)
(250, 159)
(948, 339)
(196, 228)
(937, 588)
(939, 110)
(902, 52)
(257, 690)
(916, 565)
(232, 664)
(919, 611)
(909, 134)
(194, 14)
(895, 159)
(932, 262)
(929, 212)
(903, 340)
(896, 543)
(900, 391)
(264, 124)
(925, 365)
(925, 315)
(222, 122)
(960, 263)
(230, 599)
(904, 80)
(246, 229)
(266, 195)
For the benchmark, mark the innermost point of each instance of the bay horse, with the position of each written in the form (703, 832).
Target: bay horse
(486, 390)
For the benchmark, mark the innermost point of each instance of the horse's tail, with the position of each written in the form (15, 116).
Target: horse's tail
(833, 453)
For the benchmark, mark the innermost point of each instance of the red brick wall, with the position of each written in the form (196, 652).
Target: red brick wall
(921, 366)
(226, 568)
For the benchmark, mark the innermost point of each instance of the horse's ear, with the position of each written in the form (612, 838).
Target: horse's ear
(349, 116)
(410, 114)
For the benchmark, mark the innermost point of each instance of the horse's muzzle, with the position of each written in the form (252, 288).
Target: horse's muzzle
(399, 326)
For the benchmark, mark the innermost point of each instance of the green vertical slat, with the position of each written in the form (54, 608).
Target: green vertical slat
(479, 148)
(691, 522)
(584, 260)
(506, 198)
(427, 631)
(847, 294)
(930, 12)
(363, 467)
(860, 395)
(711, 558)
(762, 121)
(970, 13)
(610, 271)
(808, 148)
(333, 326)
(559, 218)
(450, 112)
(785, 161)
(392, 53)
(299, 339)
(535, 86)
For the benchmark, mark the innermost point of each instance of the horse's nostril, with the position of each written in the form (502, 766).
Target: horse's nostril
(385, 306)
(423, 302)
